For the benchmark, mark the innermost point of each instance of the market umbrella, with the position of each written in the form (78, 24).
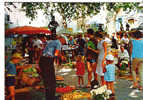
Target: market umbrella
(27, 30)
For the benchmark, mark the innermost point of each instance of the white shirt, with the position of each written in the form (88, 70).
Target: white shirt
(38, 43)
(124, 54)
(108, 40)
(125, 40)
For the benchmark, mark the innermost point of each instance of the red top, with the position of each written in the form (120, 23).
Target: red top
(80, 68)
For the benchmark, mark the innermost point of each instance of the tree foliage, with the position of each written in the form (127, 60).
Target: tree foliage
(72, 10)
(116, 6)
(67, 10)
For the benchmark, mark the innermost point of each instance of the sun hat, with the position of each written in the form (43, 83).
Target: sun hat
(17, 56)
(109, 57)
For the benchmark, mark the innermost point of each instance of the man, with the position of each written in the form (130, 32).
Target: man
(125, 41)
(81, 45)
(53, 25)
(91, 55)
(46, 64)
(137, 58)
(123, 55)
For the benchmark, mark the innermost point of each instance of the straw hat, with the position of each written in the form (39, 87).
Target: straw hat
(16, 56)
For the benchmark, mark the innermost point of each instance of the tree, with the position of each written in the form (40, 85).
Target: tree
(72, 10)
(67, 10)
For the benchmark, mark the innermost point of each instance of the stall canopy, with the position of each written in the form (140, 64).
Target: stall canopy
(27, 30)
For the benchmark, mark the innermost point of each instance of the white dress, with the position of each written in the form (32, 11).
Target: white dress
(100, 47)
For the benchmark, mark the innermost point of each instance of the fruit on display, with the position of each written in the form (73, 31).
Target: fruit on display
(76, 95)
(65, 89)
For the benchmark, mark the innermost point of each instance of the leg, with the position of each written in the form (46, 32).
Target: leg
(79, 80)
(94, 70)
(50, 93)
(134, 63)
(108, 86)
(89, 69)
(112, 87)
(11, 90)
(48, 74)
(82, 80)
(103, 81)
(140, 71)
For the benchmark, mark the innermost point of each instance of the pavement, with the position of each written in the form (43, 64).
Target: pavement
(122, 85)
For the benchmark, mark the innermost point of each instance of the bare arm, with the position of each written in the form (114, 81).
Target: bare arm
(23, 67)
(105, 49)
(22, 90)
(131, 47)
(57, 52)
(105, 54)
(96, 51)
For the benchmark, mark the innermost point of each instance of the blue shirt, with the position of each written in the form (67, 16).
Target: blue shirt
(11, 68)
(137, 50)
(51, 46)
(71, 42)
(109, 75)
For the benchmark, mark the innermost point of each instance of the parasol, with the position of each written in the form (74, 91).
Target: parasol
(27, 30)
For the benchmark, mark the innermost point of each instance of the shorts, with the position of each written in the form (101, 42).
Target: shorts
(81, 52)
(91, 60)
(10, 81)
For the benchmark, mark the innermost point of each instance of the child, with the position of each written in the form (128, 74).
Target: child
(109, 75)
(10, 75)
(80, 70)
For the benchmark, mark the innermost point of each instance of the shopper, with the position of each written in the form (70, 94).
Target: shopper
(81, 45)
(80, 70)
(102, 47)
(109, 75)
(137, 58)
(46, 64)
(91, 56)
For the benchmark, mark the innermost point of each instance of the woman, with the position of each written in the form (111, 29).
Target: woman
(91, 55)
(137, 58)
(102, 47)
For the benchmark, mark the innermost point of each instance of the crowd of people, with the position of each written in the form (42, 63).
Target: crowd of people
(105, 56)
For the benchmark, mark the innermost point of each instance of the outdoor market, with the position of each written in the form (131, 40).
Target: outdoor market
(73, 51)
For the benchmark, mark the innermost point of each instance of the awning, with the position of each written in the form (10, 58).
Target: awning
(27, 30)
